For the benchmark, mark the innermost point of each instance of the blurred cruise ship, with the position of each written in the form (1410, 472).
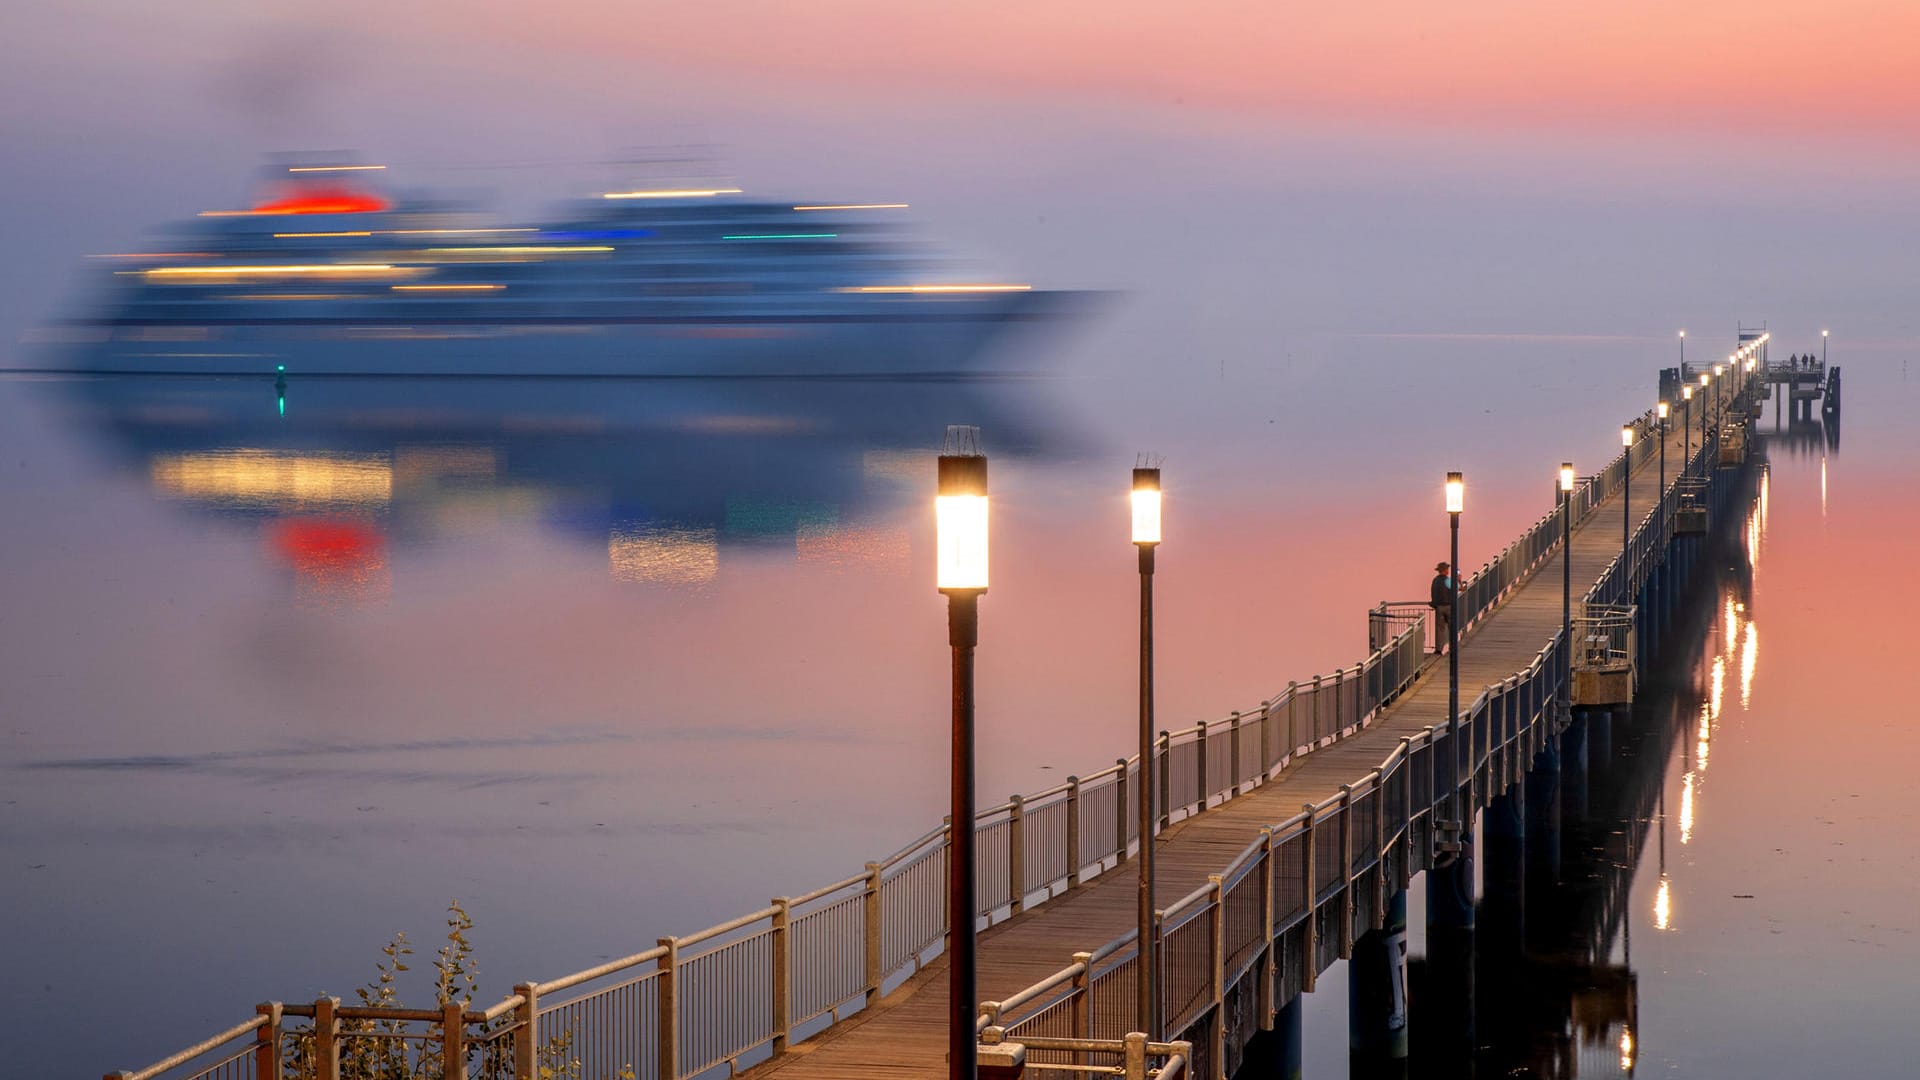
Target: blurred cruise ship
(327, 275)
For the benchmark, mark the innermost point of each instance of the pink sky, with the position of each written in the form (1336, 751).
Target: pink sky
(1836, 68)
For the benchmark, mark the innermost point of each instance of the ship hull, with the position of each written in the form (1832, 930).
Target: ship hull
(910, 339)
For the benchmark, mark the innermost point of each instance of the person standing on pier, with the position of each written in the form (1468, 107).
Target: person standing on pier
(1440, 598)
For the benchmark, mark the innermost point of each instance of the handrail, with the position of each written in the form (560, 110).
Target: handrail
(195, 1050)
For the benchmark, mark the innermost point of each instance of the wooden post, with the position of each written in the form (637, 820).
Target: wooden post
(1166, 786)
(1133, 1056)
(1233, 755)
(781, 946)
(326, 1039)
(1120, 803)
(871, 898)
(1263, 986)
(1200, 766)
(1346, 871)
(1310, 924)
(1267, 756)
(1217, 930)
(1083, 1004)
(266, 1043)
(1073, 832)
(1404, 864)
(1315, 719)
(526, 1031)
(1016, 853)
(453, 1039)
(667, 1033)
(1293, 726)
(1379, 797)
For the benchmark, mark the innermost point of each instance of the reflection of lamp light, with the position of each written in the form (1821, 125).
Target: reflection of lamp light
(1686, 809)
(1663, 907)
(960, 512)
(1146, 535)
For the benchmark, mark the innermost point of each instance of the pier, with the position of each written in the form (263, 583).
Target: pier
(1288, 833)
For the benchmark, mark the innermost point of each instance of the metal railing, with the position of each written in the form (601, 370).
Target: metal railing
(1603, 637)
(1291, 903)
(747, 989)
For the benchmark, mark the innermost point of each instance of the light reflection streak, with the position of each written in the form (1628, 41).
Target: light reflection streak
(1626, 1050)
(933, 288)
(1719, 687)
(1731, 618)
(664, 555)
(676, 193)
(275, 477)
(1749, 659)
(1663, 906)
(1704, 742)
(1686, 809)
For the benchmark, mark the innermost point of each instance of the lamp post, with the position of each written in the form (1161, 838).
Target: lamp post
(1823, 348)
(960, 512)
(1566, 578)
(1456, 500)
(1626, 490)
(1146, 536)
(1683, 352)
(1686, 427)
(1661, 410)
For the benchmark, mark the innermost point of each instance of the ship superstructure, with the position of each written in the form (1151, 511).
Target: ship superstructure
(327, 276)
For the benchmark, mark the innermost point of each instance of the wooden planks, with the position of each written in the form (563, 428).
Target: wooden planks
(904, 1035)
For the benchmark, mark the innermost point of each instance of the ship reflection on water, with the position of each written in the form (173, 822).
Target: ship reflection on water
(672, 477)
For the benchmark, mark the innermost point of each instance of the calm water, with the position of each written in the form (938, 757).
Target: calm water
(607, 661)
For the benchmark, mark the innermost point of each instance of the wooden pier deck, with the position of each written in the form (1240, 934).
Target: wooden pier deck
(904, 1034)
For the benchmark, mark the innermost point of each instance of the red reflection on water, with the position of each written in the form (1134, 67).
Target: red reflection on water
(332, 556)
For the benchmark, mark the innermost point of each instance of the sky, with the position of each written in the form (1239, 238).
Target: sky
(1382, 167)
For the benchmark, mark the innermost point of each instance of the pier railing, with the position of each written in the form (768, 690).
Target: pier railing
(748, 988)
(1292, 902)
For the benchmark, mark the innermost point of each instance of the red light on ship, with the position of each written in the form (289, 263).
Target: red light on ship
(324, 199)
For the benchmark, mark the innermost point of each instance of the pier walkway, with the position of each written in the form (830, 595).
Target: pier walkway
(904, 1034)
(1283, 832)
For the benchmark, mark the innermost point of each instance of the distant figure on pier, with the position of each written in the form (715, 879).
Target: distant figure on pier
(1440, 597)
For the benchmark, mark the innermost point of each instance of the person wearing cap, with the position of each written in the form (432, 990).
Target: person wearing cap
(1440, 598)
